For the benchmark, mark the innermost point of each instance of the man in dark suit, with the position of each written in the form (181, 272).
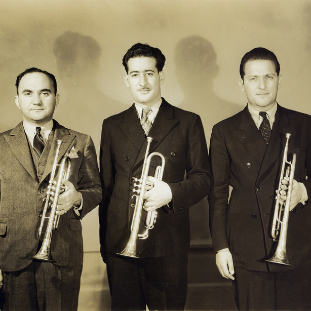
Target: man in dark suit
(27, 154)
(246, 155)
(158, 278)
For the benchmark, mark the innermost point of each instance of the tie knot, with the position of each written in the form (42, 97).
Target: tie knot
(263, 114)
(38, 130)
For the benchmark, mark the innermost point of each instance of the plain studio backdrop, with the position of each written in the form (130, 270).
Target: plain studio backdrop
(83, 42)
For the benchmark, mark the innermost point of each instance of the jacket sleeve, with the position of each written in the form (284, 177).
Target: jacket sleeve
(218, 199)
(198, 178)
(107, 175)
(89, 182)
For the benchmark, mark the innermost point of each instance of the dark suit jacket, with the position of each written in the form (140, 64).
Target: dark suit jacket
(179, 136)
(22, 194)
(239, 158)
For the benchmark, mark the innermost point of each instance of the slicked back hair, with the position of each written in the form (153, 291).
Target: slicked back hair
(144, 50)
(259, 54)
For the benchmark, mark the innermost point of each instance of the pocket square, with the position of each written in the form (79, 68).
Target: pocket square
(73, 154)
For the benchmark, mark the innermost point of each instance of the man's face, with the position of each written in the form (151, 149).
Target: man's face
(36, 98)
(260, 84)
(144, 80)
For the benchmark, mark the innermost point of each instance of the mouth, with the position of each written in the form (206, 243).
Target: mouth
(144, 91)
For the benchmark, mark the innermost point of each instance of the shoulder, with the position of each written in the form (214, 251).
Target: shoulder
(232, 122)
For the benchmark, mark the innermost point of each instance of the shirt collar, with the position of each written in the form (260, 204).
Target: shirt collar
(155, 109)
(30, 130)
(258, 119)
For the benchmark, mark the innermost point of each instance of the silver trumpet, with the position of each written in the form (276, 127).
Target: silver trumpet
(141, 187)
(282, 209)
(44, 254)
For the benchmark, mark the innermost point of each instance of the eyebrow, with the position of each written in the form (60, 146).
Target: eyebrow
(43, 90)
(137, 71)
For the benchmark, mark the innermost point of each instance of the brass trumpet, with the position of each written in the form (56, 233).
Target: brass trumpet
(281, 211)
(130, 249)
(44, 254)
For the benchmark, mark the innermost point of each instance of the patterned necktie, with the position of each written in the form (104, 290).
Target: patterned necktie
(38, 142)
(145, 122)
(264, 127)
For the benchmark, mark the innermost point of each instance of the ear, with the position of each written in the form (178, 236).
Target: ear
(279, 81)
(126, 80)
(241, 84)
(162, 77)
(56, 100)
(17, 102)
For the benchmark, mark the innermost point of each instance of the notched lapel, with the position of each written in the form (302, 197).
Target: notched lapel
(18, 143)
(132, 129)
(281, 126)
(162, 126)
(63, 134)
(250, 137)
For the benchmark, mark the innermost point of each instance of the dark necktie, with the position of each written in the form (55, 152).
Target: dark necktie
(145, 122)
(38, 142)
(264, 127)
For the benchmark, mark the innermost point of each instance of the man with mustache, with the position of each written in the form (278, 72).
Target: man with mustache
(246, 155)
(158, 277)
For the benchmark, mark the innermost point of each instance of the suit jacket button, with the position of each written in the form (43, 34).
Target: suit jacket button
(127, 158)
(258, 189)
(173, 154)
(254, 216)
(249, 165)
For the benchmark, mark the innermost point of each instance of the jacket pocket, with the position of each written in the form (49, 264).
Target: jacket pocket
(75, 224)
(3, 229)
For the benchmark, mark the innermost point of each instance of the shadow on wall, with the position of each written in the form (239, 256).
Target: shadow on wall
(196, 68)
(82, 106)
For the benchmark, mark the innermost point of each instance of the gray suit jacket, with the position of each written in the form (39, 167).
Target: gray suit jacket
(22, 193)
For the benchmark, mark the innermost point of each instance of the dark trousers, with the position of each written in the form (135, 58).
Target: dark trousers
(159, 283)
(42, 286)
(288, 290)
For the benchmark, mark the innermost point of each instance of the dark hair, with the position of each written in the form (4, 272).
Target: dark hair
(144, 50)
(34, 69)
(259, 54)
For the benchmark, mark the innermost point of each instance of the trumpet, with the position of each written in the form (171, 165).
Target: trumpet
(282, 208)
(44, 254)
(141, 187)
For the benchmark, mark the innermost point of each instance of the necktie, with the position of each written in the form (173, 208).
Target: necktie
(38, 142)
(145, 122)
(264, 127)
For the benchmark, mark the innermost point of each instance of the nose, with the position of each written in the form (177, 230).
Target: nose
(262, 83)
(142, 80)
(36, 99)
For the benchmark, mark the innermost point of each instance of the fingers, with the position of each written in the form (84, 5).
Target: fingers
(224, 264)
(61, 210)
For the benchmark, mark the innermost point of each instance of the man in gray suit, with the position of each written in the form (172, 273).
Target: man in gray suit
(27, 154)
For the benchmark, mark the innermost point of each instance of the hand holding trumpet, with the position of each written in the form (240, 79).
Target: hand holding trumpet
(160, 194)
(296, 195)
(68, 198)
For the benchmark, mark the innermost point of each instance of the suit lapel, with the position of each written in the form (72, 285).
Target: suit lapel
(163, 124)
(250, 137)
(132, 129)
(281, 126)
(18, 143)
(63, 134)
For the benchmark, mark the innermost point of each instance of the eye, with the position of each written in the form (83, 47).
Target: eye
(27, 93)
(149, 73)
(133, 75)
(45, 94)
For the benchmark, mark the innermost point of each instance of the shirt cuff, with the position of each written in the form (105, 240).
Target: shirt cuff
(304, 196)
(78, 208)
